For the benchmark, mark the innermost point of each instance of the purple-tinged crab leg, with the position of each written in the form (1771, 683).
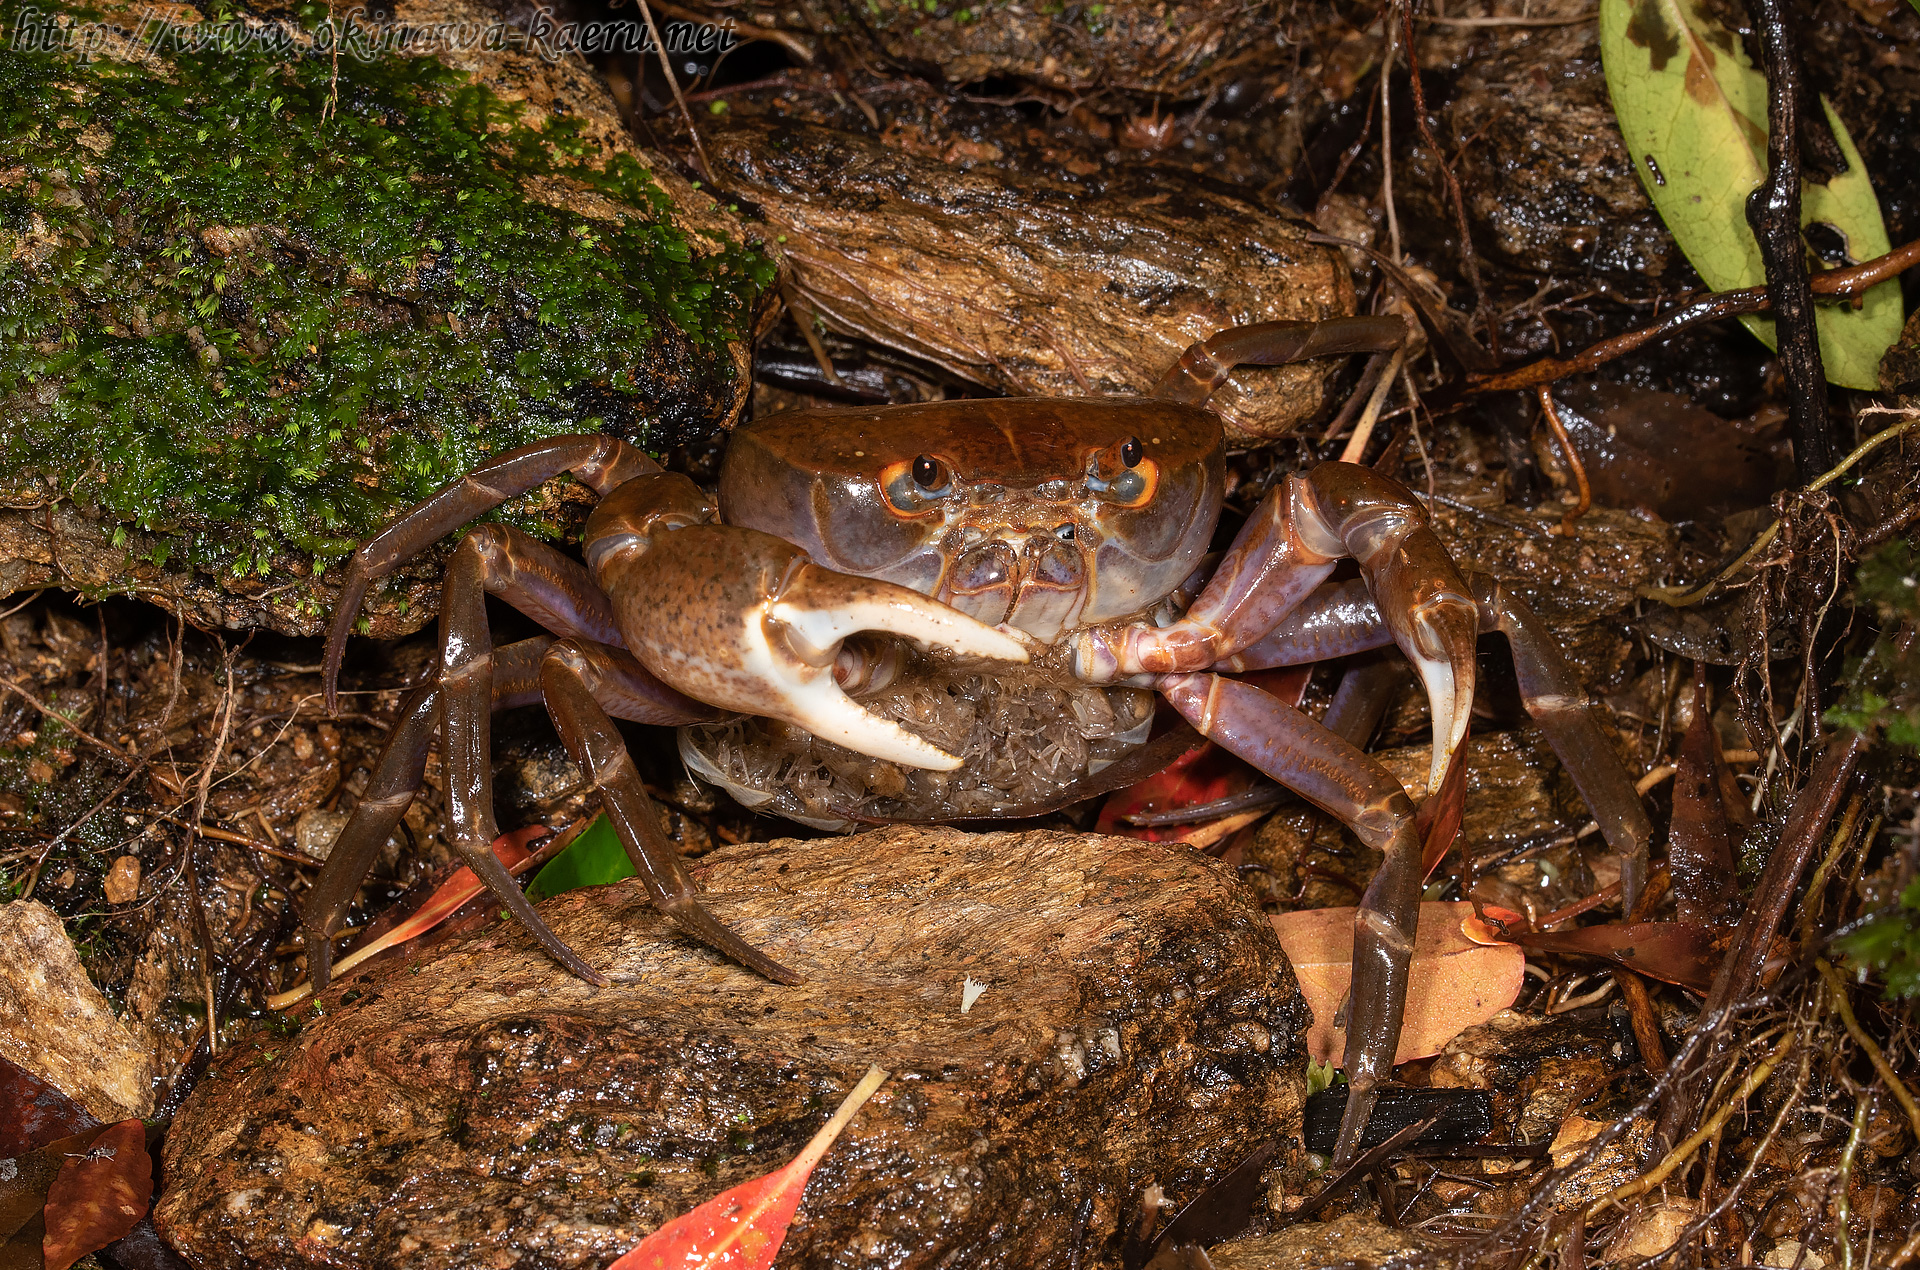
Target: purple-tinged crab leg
(391, 790)
(601, 462)
(1206, 365)
(1282, 554)
(1343, 618)
(1268, 570)
(1558, 703)
(1339, 778)
(1337, 620)
(1414, 582)
(574, 676)
(466, 746)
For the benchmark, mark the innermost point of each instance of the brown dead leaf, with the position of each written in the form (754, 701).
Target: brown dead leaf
(98, 1196)
(1453, 985)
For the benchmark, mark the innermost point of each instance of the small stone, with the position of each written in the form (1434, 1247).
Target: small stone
(123, 880)
(1788, 1253)
(55, 1024)
(316, 830)
(1652, 1232)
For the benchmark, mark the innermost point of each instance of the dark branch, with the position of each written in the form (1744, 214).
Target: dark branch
(1775, 213)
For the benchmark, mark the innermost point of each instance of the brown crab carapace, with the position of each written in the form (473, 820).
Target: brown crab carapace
(1068, 536)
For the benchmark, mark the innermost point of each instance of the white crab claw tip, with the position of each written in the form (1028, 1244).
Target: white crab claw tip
(831, 715)
(898, 611)
(1447, 669)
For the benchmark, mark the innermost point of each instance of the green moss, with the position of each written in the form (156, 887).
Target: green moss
(255, 309)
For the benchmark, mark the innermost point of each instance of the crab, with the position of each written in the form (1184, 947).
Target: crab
(1060, 546)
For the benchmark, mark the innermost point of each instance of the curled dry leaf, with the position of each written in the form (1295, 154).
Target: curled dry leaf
(1454, 982)
(98, 1196)
(1683, 953)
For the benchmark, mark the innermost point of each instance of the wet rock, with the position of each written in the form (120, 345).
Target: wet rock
(1150, 46)
(1036, 286)
(1548, 183)
(56, 1025)
(223, 380)
(1355, 1239)
(1138, 1026)
(1537, 1066)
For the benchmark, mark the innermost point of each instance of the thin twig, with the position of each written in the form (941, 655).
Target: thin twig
(1356, 446)
(666, 65)
(1895, 1086)
(1574, 465)
(1776, 223)
(1681, 597)
(1682, 1153)
(71, 726)
(1690, 311)
(193, 836)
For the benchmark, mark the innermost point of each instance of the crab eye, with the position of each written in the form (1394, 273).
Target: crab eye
(1131, 452)
(914, 487)
(929, 473)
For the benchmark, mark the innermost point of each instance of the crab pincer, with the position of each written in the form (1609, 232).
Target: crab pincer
(745, 621)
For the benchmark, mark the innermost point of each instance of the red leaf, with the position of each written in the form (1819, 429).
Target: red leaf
(98, 1197)
(32, 1112)
(509, 848)
(1699, 847)
(743, 1227)
(23, 1192)
(1441, 813)
(1683, 953)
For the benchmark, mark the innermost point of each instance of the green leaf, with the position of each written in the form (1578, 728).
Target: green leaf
(594, 859)
(1693, 111)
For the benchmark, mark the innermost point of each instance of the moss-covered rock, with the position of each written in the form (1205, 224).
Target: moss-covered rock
(254, 296)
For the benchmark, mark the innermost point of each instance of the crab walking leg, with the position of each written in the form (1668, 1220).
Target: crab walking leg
(394, 785)
(1334, 775)
(1559, 706)
(1282, 554)
(465, 685)
(1206, 365)
(601, 462)
(746, 621)
(573, 675)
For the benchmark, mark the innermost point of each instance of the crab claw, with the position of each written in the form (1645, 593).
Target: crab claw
(1439, 635)
(742, 620)
(1427, 606)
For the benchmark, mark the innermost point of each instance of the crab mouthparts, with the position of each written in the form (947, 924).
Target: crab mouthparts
(1036, 583)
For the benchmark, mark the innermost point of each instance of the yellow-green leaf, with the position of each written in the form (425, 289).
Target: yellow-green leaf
(1693, 111)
